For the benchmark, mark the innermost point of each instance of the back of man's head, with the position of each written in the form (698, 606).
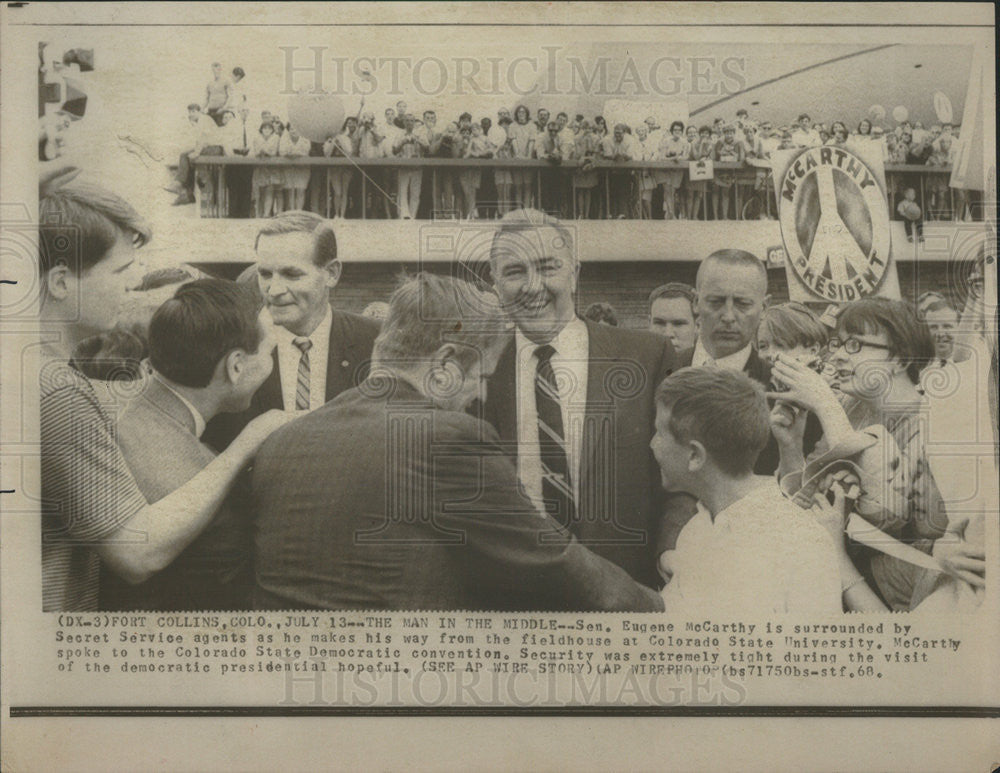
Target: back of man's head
(723, 410)
(204, 321)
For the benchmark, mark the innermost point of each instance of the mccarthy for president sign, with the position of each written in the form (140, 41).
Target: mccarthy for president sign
(834, 223)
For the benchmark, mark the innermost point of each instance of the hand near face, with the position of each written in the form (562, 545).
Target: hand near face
(806, 387)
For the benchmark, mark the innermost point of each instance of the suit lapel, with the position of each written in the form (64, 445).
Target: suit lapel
(501, 396)
(600, 359)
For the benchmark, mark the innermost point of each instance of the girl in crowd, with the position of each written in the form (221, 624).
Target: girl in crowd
(644, 178)
(838, 134)
(684, 201)
(942, 155)
(602, 126)
(673, 148)
(586, 148)
(503, 178)
(522, 141)
(727, 151)
(339, 178)
(878, 353)
(703, 149)
(296, 178)
(267, 180)
(477, 147)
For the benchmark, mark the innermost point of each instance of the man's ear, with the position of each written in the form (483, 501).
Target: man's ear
(57, 282)
(697, 456)
(332, 273)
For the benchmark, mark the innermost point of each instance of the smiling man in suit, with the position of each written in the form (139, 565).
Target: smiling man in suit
(321, 351)
(574, 400)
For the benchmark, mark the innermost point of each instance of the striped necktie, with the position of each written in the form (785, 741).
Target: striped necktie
(302, 381)
(557, 485)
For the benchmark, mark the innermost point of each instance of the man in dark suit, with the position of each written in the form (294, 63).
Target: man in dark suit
(210, 348)
(321, 351)
(574, 401)
(425, 512)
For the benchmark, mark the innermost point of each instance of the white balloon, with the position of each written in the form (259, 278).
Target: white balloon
(942, 107)
(316, 116)
(900, 113)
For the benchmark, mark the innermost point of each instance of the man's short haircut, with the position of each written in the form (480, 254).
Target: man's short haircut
(909, 338)
(297, 220)
(194, 107)
(204, 321)
(238, 72)
(80, 223)
(429, 112)
(560, 113)
(465, 117)
(941, 306)
(427, 311)
(742, 111)
(793, 324)
(674, 290)
(733, 258)
(523, 222)
(804, 115)
(724, 410)
(602, 312)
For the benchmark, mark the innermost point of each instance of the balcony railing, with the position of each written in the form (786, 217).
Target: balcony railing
(753, 192)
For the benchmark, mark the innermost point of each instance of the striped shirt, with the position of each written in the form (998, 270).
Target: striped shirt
(88, 492)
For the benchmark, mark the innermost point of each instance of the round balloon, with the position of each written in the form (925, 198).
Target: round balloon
(942, 107)
(911, 210)
(900, 113)
(316, 116)
(876, 113)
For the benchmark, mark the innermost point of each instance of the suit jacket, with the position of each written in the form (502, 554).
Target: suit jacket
(621, 502)
(351, 340)
(379, 500)
(156, 435)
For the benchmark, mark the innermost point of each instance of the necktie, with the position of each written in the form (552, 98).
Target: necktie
(557, 486)
(302, 381)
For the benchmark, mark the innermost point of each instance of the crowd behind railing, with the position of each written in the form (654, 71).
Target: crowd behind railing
(570, 166)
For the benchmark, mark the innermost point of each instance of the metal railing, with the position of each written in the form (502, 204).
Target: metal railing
(748, 183)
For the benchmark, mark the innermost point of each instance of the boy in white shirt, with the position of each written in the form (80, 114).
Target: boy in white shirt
(748, 550)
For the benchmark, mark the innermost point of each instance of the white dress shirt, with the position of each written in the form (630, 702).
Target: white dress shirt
(569, 363)
(762, 554)
(199, 420)
(289, 356)
(736, 361)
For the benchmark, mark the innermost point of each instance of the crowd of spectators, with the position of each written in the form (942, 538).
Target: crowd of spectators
(578, 150)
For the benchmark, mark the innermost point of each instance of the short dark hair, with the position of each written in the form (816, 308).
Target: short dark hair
(909, 338)
(677, 123)
(601, 312)
(238, 72)
(298, 220)
(204, 321)
(724, 410)
(674, 290)
(114, 355)
(80, 223)
(194, 107)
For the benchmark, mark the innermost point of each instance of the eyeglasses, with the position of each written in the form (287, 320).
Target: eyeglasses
(853, 345)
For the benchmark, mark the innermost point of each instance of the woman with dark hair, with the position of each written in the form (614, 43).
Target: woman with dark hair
(876, 357)
(522, 139)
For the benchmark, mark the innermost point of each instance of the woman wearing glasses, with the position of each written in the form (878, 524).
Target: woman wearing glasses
(875, 358)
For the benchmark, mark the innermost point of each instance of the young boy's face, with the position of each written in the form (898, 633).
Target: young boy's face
(910, 194)
(97, 296)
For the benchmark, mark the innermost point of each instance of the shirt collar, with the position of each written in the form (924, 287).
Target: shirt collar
(735, 361)
(199, 420)
(320, 337)
(571, 341)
